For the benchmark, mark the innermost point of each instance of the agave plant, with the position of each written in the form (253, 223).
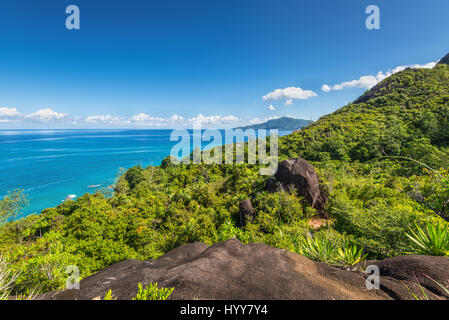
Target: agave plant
(442, 286)
(423, 295)
(350, 254)
(318, 247)
(433, 240)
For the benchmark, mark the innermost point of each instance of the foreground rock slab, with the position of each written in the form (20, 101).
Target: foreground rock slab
(231, 270)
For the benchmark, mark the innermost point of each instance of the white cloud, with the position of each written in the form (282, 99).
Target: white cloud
(369, 81)
(214, 120)
(289, 94)
(102, 119)
(288, 102)
(147, 120)
(46, 115)
(262, 120)
(140, 117)
(176, 117)
(175, 121)
(326, 88)
(271, 107)
(52, 117)
(143, 118)
(9, 112)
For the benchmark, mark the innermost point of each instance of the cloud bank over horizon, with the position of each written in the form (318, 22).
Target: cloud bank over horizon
(50, 117)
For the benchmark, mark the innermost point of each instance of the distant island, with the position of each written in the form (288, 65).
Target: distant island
(283, 123)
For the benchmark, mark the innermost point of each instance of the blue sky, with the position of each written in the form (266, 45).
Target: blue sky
(139, 63)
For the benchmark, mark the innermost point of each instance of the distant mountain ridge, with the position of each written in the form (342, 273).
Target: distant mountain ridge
(283, 123)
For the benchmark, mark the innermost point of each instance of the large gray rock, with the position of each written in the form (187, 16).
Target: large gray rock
(405, 274)
(247, 212)
(302, 175)
(231, 270)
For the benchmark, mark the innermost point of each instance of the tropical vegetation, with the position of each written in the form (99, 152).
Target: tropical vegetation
(383, 161)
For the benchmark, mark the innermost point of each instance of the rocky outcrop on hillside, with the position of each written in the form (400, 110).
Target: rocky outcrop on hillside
(445, 60)
(247, 212)
(231, 270)
(302, 175)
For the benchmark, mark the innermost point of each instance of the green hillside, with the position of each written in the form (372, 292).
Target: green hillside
(382, 160)
(407, 114)
(283, 123)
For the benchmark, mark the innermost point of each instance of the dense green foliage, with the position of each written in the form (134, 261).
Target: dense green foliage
(370, 156)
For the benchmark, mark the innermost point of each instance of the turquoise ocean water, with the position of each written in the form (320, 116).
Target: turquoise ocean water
(50, 165)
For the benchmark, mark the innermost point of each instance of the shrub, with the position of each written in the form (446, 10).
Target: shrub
(433, 240)
(169, 162)
(152, 292)
(7, 279)
(134, 176)
(350, 254)
(12, 205)
(109, 295)
(318, 247)
(229, 231)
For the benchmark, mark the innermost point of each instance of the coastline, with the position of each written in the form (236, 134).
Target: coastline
(75, 162)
